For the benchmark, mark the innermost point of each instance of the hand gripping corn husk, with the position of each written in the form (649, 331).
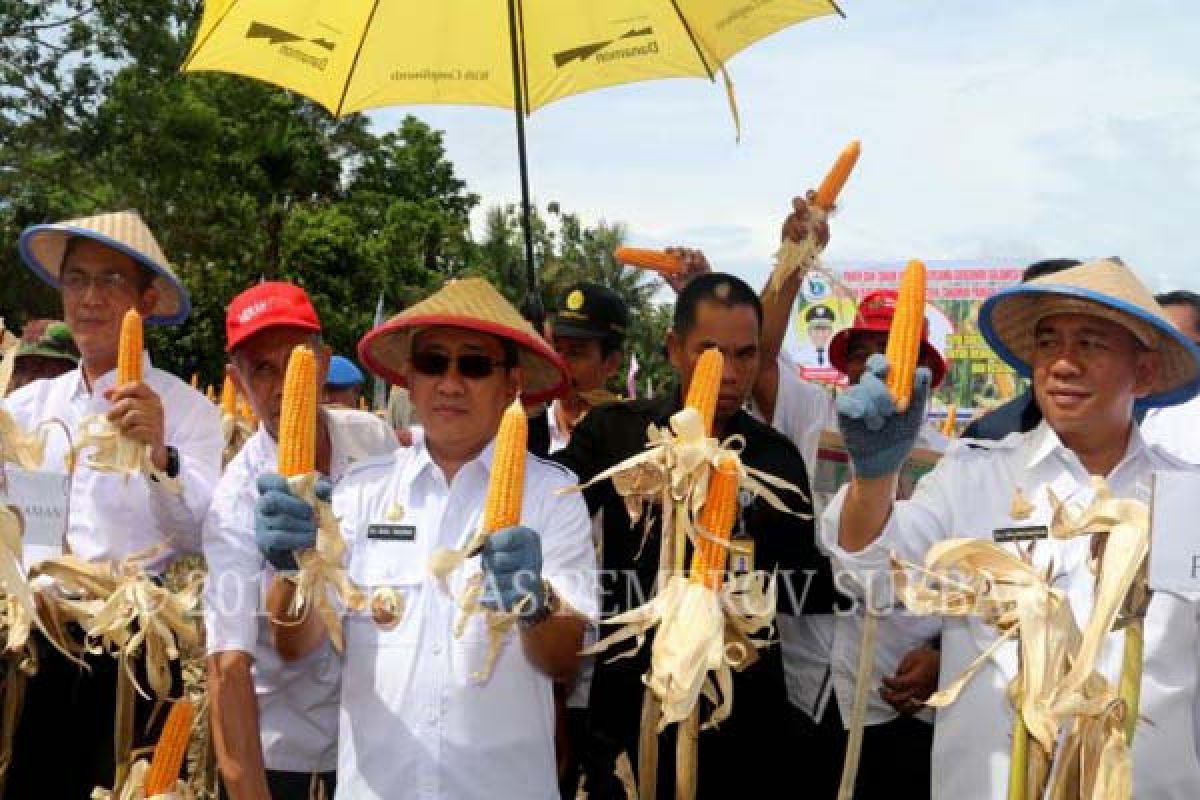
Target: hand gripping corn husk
(26, 450)
(235, 430)
(903, 351)
(502, 509)
(971, 577)
(112, 451)
(322, 576)
(804, 255)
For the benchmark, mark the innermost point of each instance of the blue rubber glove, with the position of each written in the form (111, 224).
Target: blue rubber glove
(512, 570)
(283, 523)
(877, 438)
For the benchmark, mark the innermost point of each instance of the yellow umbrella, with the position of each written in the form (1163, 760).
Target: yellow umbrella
(352, 55)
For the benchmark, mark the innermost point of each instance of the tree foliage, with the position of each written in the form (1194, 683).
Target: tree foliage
(242, 181)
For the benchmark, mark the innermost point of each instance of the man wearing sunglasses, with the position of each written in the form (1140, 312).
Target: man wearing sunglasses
(747, 754)
(103, 266)
(424, 712)
(274, 723)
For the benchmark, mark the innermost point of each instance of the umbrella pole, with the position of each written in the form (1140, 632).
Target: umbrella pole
(533, 301)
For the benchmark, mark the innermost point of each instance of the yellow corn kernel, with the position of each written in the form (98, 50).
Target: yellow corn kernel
(171, 749)
(904, 339)
(705, 387)
(831, 187)
(129, 349)
(716, 520)
(298, 415)
(228, 397)
(506, 486)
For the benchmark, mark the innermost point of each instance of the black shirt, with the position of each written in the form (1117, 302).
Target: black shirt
(608, 435)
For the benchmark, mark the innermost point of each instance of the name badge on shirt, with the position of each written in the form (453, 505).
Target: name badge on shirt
(1028, 533)
(392, 533)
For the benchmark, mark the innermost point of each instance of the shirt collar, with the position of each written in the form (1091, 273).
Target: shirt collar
(1043, 442)
(105, 381)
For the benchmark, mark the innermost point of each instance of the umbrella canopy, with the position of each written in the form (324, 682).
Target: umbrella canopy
(353, 55)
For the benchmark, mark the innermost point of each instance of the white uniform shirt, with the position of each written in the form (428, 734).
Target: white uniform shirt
(820, 651)
(298, 701)
(1175, 429)
(969, 494)
(113, 517)
(414, 722)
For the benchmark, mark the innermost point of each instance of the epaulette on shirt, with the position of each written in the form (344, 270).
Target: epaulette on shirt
(371, 464)
(556, 467)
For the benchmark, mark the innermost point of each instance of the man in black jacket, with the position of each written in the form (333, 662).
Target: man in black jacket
(750, 751)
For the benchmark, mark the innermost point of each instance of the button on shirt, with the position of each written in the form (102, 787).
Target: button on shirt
(969, 494)
(820, 651)
(297, 701)
(415, 722)
(114, 516)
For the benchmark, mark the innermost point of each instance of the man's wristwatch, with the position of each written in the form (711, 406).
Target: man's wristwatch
(550, 605)
(172, 469)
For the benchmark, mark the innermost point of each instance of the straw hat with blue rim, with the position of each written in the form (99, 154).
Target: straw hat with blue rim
(473, 304)
(44, 247)
(1107, 289)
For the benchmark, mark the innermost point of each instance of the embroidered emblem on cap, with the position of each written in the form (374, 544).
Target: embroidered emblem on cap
(575, 300)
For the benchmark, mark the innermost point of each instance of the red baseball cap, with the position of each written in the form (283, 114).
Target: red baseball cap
(272, 304)
(874, 315)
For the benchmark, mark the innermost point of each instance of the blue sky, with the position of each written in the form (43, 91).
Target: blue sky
(1008, 130)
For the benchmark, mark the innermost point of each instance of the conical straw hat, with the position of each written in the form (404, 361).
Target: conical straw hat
(474, 304)
(1108, 289)
(44, 246)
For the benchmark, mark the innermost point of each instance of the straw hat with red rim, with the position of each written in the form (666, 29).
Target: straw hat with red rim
(43, 248)
(1107, 289)
(474, 304)
(874, 315)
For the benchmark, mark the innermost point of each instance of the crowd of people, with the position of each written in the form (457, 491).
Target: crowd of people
(395, 706)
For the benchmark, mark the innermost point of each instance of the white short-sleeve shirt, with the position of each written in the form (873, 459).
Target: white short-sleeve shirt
(415, 722)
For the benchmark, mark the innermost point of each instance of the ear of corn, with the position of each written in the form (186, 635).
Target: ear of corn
(210, 394)
(362, 404)
(948, 427)
(831, 187)
(195, 380)
(506, 486)
(657, 260)
(716, 519)
(171, 749)
(904, 339)
(298, 415)
(705, 387)
(129, 349)
(228, 397)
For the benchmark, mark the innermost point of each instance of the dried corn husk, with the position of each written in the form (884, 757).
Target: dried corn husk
(132, 787)
(16, 446)
(235, 431)
(973, 577)
(323, 579)
(703, 635)
(112, 451)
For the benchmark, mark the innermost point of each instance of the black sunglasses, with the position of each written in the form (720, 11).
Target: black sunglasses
(475, 366)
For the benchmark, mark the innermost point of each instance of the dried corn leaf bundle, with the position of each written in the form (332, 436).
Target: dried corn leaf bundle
(112, 451)
(235, 431)
(971, 577)
(26, 450)
(322, 584)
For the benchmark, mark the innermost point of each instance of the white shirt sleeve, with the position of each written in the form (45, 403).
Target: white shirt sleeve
(802, 410)
(233, 589)
(193, 428)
